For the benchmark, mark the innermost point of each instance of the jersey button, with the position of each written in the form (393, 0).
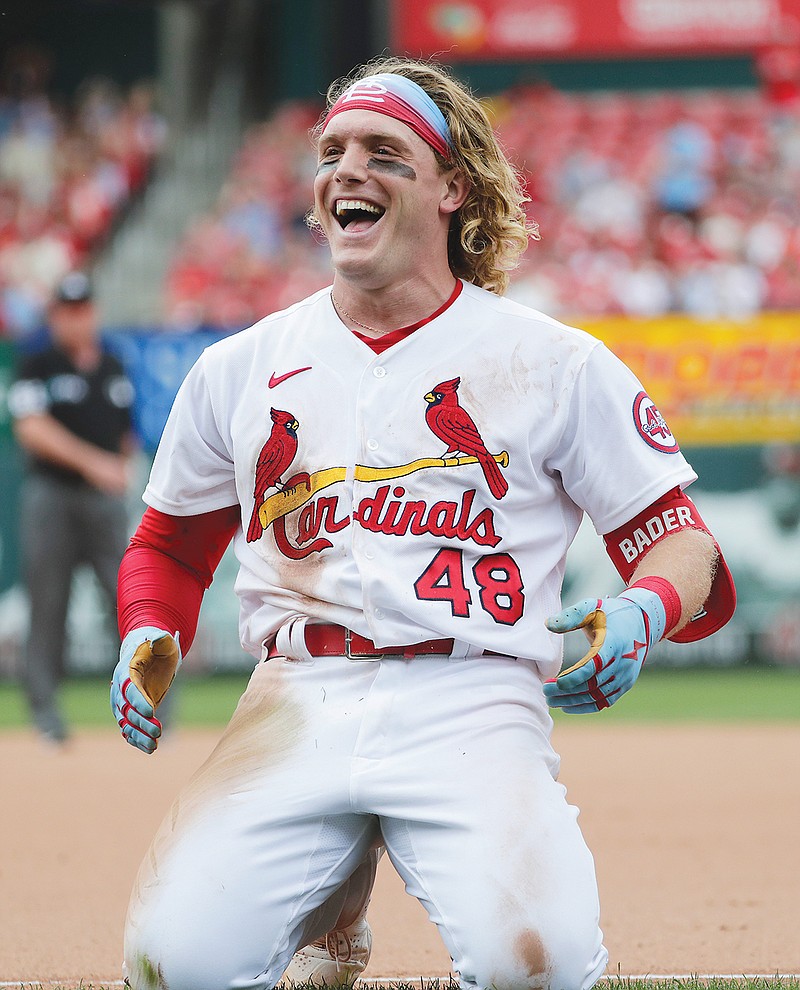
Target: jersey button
(379, 372)
(372, 444)
(379, 613)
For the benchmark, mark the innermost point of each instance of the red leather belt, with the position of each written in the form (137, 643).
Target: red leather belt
(336, 641)
(328, 640)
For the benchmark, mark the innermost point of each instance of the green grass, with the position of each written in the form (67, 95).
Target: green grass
(747, 694)
(196, 701)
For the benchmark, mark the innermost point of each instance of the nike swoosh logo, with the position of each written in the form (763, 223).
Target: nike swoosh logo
(277, 379)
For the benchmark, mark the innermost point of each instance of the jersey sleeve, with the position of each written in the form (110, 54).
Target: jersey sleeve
(193, 470)
(616, 454)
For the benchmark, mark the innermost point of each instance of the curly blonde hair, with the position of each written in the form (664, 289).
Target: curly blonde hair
(491, 230)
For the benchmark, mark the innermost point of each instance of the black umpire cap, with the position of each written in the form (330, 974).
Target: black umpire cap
(73, 288)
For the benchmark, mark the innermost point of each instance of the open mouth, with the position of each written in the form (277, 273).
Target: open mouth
(357, 213)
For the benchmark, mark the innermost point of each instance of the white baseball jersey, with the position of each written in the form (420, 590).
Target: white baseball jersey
(428, 491)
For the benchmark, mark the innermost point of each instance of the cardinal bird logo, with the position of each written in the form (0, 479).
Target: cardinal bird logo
(453, 425)
(275, 457)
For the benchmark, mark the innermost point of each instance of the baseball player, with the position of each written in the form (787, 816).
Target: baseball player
(402, 461)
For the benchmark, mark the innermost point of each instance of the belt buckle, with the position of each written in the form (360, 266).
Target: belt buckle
(354, 655)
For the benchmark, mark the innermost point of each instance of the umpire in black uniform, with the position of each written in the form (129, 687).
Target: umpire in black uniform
(71, 408)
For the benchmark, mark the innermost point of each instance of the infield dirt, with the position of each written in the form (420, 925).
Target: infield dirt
(694, 831)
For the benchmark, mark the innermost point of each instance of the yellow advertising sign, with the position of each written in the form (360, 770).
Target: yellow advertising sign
(715, 382)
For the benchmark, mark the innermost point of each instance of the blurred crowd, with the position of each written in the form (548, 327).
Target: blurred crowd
(253, 254)
(647, 204)
(658, 203)
(67, 172)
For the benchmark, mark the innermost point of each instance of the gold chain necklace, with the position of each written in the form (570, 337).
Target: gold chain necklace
(343, 312)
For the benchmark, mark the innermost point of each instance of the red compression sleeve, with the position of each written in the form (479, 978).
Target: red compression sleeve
(168, 565)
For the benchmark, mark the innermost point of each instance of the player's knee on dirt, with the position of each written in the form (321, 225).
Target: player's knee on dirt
(528, 960)
(189, 966)
(172, 965)
(168, 949)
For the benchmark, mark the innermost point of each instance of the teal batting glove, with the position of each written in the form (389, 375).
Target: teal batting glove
(621, 631)
(148, 661)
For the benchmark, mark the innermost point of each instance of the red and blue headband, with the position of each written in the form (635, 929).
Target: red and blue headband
(399, 97)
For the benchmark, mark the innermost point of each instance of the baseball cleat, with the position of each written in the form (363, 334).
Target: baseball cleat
(335, 960)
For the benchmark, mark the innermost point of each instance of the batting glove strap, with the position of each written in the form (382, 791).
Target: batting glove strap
(669, 596)
(653, 610)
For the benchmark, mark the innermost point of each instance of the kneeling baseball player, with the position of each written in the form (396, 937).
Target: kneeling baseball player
(402, 461)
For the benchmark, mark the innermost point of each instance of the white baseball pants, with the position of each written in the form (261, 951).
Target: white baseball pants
(448, 759)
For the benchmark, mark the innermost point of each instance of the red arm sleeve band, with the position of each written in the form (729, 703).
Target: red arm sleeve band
(670, 599)
(167, 567)
(672, 512)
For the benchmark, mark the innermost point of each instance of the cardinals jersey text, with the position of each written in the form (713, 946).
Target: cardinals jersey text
(431, 490)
